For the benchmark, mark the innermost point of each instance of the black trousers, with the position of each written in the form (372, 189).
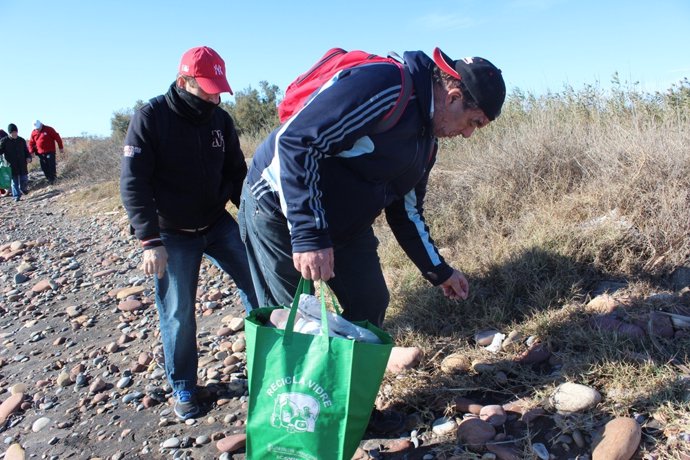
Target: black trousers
(359, 284)
(48, 165)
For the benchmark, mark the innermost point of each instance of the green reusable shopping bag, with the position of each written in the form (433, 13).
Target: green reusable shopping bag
(5, 174)
(310, 396)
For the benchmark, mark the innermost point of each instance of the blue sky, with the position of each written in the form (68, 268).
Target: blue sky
(72, 63)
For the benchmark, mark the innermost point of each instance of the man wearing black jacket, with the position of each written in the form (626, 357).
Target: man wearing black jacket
(182, 163)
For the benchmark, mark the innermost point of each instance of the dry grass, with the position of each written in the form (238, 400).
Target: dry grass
(563, 192)
(537, 210)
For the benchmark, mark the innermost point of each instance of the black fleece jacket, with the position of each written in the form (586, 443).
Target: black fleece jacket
(16, 154)
(182, 162)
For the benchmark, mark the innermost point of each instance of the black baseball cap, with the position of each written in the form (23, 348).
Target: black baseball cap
(482, 79)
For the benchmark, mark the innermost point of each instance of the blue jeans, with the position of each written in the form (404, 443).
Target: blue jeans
(19, 185)
(358, 284)
(176, 291)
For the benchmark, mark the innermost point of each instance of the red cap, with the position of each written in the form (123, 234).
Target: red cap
(207, 67)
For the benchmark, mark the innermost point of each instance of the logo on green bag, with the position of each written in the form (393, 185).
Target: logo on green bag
(297, 411)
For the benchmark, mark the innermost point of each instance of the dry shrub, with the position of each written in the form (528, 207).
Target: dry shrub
(93, 159)
(250, 142)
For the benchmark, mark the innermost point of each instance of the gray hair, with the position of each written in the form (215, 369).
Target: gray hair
(449, 82)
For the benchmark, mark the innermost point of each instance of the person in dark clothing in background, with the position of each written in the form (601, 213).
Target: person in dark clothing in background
(182, 163)
(3, 134)
(17, 155)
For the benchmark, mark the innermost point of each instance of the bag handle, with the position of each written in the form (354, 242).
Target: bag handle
(305, 287)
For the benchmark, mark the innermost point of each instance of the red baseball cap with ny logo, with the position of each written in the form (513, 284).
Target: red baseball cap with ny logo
(207, 67)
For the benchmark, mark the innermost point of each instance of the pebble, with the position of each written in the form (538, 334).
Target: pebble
(484, 338)
(482, 367)
(15, 452)
(171, 443)
(97, 385)
(619, 441)
(465, 405)
(535, 354)
(43, 285)
(239, 345)
(604, 303)
(40, 424)
(573, 397)
(129, 305)
(474, 433)
(24, 267)
(504, 452)
(540, 451)
(157, 373)
(18, 388)
(9, 406)
(511, 341)
(578, 438)
(129, 397)
(455, 363)
(203, 439)
(494, 414)
(232, 442)
(236, 324)
(63, 379)
(444, 426)
(610, 324)
(661, 325)
(81, 380)
(131, 291)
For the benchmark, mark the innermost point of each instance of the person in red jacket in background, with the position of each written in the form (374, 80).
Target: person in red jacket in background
(42, 143)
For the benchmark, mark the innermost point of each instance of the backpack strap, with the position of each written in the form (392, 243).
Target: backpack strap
(396, 56)
(392, 117)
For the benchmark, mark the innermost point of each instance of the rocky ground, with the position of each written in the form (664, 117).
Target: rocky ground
(81, 363)
(81, 374)
(81, 357)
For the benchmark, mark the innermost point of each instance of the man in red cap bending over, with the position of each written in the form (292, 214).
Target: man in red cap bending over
(182, 163)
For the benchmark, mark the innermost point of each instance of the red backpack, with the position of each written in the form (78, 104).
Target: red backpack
(299, 91)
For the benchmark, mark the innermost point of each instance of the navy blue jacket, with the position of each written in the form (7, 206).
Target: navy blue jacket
(331, 176)
(179, 171)
(16, 153)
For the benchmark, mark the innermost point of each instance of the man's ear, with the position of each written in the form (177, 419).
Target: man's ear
(180, 82)
(453, 95)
